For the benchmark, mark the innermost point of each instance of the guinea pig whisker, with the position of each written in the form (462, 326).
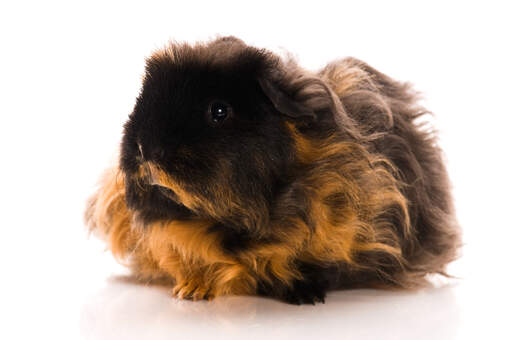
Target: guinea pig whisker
(140, 150)
(149, 175)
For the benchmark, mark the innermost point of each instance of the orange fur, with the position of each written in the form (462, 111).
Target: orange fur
(183, 250)
(370, 190)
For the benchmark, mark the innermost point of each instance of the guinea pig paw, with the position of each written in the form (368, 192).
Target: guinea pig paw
(191, 290)
(305, 292)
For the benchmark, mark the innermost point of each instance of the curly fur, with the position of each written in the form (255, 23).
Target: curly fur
(321, 180)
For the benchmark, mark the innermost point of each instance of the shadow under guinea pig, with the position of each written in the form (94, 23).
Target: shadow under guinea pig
(125, 310)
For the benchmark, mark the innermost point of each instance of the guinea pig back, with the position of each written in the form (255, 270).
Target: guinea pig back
(242, 173)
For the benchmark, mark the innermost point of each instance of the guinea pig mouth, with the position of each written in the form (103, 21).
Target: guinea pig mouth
(153, 175)
(156, 178)
(166, 192)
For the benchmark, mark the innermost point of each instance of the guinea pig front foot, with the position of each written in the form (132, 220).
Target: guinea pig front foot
(226, 279)
(191, 290)
(299, 292)
(310, 288)
(304, 292)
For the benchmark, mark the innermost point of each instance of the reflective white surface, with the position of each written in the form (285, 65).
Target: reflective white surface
(449, 309)
(122, 310)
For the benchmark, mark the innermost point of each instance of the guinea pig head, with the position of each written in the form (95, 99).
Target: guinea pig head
(208, 137)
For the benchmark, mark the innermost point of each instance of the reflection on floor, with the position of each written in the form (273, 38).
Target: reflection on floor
(126, 310)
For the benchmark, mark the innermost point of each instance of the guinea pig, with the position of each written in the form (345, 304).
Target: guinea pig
(241, 173)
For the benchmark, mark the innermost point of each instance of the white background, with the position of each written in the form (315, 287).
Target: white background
(69, 76)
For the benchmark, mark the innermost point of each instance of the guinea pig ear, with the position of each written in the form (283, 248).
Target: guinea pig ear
(284, 102)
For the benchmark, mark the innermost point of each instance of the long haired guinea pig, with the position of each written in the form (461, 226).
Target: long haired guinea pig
(242, 173)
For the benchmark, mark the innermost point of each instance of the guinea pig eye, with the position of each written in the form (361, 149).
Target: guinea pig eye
(219, 111)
